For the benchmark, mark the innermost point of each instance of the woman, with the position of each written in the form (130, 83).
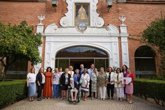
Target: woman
(40, 80)
(60, 70)
(129, 87)
(31, 79)
(71, 72)
(47, 92)
(110, 84)
(64, 83)
(125, 72)
(56, 83)
(85, 78)
(102, 82)
(94, 83)
(118, 78)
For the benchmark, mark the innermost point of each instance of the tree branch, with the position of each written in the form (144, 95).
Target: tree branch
(2, 60)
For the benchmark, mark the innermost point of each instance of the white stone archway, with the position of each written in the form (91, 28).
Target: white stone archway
(102, 38)
(90, 45)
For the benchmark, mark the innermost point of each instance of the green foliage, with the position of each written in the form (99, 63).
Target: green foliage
(19, 40)
(11, 91)
(148, 88)
(151, 76)
(155, 33)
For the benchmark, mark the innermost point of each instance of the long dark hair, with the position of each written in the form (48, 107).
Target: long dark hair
(48, 69)
(126, 67)
(39, 72)
(118, 69)
(31, 70)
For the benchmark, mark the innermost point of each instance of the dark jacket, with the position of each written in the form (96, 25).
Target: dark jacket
(39, 78)
(76, 81)
(62, 79)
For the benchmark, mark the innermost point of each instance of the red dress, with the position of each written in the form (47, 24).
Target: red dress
(47, 92)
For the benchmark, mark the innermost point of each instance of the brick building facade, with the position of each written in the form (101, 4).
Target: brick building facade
(138, 13)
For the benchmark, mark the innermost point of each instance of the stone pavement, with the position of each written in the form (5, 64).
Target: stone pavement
(52, 104)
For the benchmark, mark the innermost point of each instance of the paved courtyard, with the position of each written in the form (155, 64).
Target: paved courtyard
(52, 104)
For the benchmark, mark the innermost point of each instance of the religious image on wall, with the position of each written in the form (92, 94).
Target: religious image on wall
(82, 16)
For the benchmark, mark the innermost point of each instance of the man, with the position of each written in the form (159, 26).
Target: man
(74, 83)
(90, 71)
(81, 69)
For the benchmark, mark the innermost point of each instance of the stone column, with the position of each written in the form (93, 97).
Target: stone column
(124, 41)
(40, 29)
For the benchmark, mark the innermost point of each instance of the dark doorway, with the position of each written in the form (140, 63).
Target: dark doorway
(76, 63)
(86, 55)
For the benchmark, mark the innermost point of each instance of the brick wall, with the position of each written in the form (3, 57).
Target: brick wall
(138, 16)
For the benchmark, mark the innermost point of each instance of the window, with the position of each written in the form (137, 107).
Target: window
(145, 60)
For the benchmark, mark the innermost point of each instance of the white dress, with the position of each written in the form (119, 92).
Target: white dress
(85, 78)
(119, 86)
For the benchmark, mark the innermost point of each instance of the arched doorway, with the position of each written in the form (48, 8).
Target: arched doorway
(145, 60)
(76, 55)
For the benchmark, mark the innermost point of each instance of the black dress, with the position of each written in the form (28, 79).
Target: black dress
(65, 81)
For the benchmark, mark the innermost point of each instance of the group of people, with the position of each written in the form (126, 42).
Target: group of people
(90, 82)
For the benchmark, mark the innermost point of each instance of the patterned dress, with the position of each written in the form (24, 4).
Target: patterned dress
(85, 78)
(129, 87)
(94, 82)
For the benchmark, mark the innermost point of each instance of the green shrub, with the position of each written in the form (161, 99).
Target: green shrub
(15, 76)
(154, 77)
(11, 91)
(148, 88)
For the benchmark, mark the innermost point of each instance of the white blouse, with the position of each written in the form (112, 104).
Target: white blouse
(85, 78)
(43, 78)
(56, 78)
(31, 77)
(71, 73)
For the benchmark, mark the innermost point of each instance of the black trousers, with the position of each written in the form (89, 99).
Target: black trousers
(110, 90)
(90, 88)
(39, 90)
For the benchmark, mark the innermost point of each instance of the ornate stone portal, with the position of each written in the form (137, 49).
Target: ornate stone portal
(69, 19)
(82, 19)
(92, 34)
